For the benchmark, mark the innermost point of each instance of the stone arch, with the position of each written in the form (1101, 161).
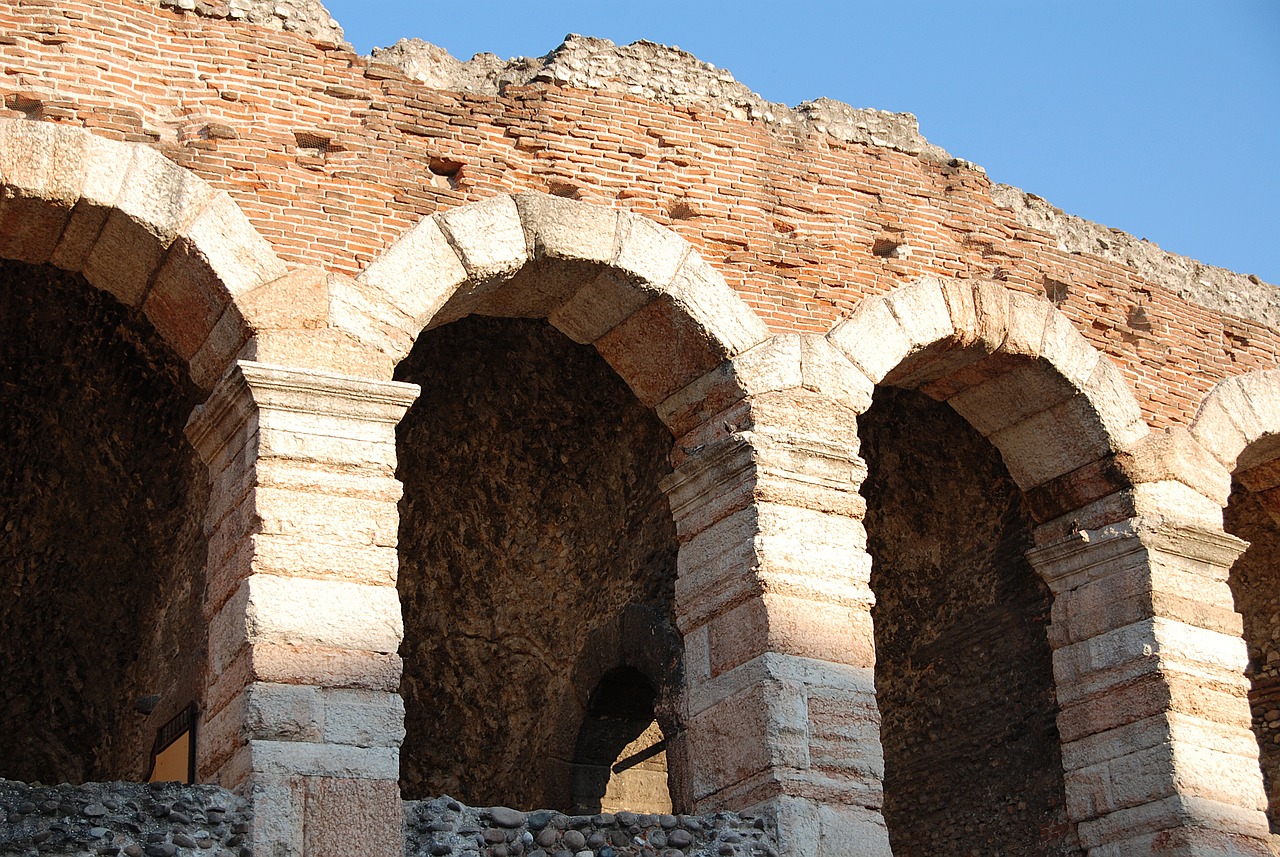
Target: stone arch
(1009, 363)
(1036, 418)
(134, 224)
(1239, 425)
(1239, 421)
(654, 309)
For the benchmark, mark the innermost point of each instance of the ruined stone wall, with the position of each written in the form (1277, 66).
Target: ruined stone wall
(531, 522)
(963, 673)
(444, 826)
(334, 155)
(1255, 583)
(102, 549)
(158, 820)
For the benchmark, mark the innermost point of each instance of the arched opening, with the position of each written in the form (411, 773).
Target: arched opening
(620, 761)
(964, 677)
(1253, 514)
(532, 523)
(102, 552)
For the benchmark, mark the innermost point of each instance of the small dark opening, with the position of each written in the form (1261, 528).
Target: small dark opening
(620, 712)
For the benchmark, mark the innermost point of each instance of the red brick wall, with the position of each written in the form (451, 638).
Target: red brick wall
(788, 219)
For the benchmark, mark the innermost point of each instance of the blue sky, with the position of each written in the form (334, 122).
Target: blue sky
(1158, 118)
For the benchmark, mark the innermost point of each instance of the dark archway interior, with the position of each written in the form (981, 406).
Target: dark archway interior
(532, 520)
(964, 679)
(102, 550)
(1255, 584)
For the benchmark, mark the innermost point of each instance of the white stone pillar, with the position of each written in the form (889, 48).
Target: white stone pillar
(301, 709)
(774, 604)
(1154, 714)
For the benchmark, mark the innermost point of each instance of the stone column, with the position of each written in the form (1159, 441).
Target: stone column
(301, 709)
(1154, 713)
(773, 601)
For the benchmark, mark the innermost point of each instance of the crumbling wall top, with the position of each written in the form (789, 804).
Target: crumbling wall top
(658, 73)
(308, 18)
(1241, 295)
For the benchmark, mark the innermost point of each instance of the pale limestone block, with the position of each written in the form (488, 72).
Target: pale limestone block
(802, 627)
(1262, 391)
(229, 630)
(598, 307)
(772, 365)
(1216, 430)
(74, 243)
(307, 759)
(162, 197)
(222, 732)
(840, 825)
(781, 667)
(1124, 781)
(826, 371)
(124, 258)
(303, 611)
(558, 228)
(335, 518)
(1175, 454)
(1027, 318)
(1053, 442)
(1067, 350)
(368, 316)
(363, 718)
(488, 236)
(660, 349)
(844, 735)
(922, 312)
(1223, 777)
(761, 727)
(1204, 648)
(1116, 407)
(108, 164)
(1177, 503)
(716, 569)
(647, 251)
(963, 309)
(332, 558)
(1075, 666)
(703, 398)
(991, 304)
(812, 544)
(40, 160)
(240, 257)
(417, 274)
(698, 289)
(872, 339)
(1227, 738)
(278, 812)
(1025, 390)
(282, 712)
(697, 656)
(1127, 827)
(1093, 751)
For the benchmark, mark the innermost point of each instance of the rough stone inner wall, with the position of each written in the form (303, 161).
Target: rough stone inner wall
(963, 673)
(444, 826)
(1255, 583)
(333, 156)
(122, 818)
(531, 521)
(101, 543)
